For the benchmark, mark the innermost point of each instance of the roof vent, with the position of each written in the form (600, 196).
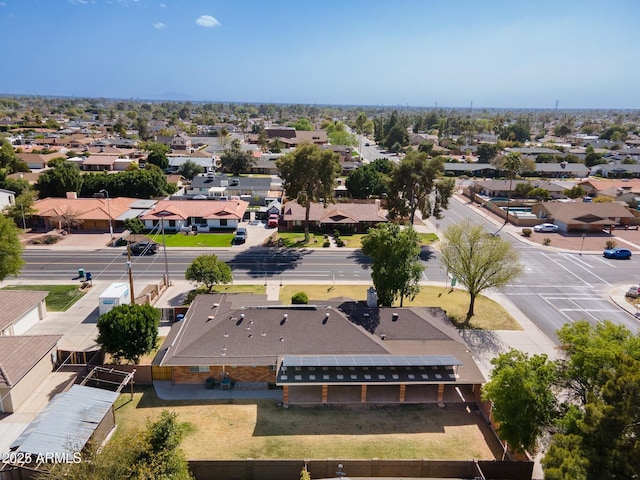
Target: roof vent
(394, 317)
(383, 336)
(242, 315)
(286, 315)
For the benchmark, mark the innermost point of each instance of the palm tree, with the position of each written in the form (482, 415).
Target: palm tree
(512, 164)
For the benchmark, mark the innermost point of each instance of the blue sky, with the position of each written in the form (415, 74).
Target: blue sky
(494, 53)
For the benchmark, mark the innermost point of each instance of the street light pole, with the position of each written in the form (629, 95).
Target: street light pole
(106, 194)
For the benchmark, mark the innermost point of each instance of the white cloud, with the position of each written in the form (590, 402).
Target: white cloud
(207, 21)
(159, 25)
(2, 4)
(78, 2)
(163, 5)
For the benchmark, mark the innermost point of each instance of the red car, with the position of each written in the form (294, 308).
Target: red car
(273, 221)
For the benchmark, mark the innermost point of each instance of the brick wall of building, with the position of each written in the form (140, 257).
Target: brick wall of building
(235, 374)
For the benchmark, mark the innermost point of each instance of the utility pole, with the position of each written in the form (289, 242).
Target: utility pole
(132, 295)
(104, 194)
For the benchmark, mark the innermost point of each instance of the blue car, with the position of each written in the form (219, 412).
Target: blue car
(617, 253)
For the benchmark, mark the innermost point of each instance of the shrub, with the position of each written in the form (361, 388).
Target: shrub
(339, 242)
(326, 243)
(50, 239)
(336, 234)
(609, 244)
(546, 241)
(299, 298)
(526, 232)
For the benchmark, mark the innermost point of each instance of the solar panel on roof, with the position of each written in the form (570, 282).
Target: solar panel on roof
(369, 360)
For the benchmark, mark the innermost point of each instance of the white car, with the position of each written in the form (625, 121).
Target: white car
(546, 227)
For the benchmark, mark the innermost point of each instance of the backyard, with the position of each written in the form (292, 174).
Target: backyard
(263, 430)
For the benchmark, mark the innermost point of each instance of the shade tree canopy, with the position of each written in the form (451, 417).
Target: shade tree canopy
(209, 271)
(309, 174)
(129, 331)
(478, 260)
(396, 269)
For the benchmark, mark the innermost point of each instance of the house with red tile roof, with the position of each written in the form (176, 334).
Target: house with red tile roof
(92, 214)
(203, 215)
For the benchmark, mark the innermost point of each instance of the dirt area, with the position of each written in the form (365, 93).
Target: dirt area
(97, 240)
(264, 430)
(592, 242)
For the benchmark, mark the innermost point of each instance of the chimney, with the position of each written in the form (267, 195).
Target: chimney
(72, 195)
(394, 317)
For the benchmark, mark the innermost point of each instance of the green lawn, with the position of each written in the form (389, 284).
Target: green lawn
(489, 315)
(296, 239)
(60, 297)
(200, 240)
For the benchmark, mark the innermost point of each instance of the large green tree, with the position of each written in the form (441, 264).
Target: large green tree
(157, 154)
(396, 268)
(190, 169)
(416, 184)
(478, 260)
(511, 164)
(235, 160)
(63, 177)
(129, 331)
(11, 261)
(487, 152)
(9, 161)
(590, 351)
(370, 180)
(309, 174)
(208, 270)
(523, 400)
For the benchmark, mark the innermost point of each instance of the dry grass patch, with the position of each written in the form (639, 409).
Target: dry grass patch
(263, 430)
(489, 315)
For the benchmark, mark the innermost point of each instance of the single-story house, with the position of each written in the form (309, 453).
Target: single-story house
(38, 161)
(357, 217)
(94, 213)
(25, 361)
(584, 216)
(205, 216)
(255, 190)
(507, 188)
(562, 169)
(616, 170)
(340, 352)
(22, 309)
(265, 163)
(470, 169)
(611, 189)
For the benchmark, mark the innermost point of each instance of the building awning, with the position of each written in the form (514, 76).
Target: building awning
(367, 369)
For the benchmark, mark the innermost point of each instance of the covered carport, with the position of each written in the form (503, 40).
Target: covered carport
(372, 379)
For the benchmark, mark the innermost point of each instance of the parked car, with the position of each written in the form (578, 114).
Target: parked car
(241, 235)
(617, 253)
(143, 248)
(633, 292)
(273, 221)
(546, 227)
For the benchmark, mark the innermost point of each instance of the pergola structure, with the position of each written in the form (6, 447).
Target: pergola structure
(304, 377)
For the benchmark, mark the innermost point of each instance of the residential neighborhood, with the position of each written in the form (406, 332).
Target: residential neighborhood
(157, 198)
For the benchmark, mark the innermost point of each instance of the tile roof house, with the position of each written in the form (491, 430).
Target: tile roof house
(205, 216)
(25, 361)
(93, 212)
(584, 216)
(37, 161)
(337, 352)
(609, 188)
(352, 216)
